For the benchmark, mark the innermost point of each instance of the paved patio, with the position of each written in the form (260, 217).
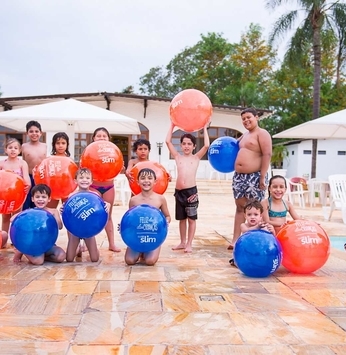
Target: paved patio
(189, 304)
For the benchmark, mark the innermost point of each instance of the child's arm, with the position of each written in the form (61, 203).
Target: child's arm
(164, 210)
(26, 177)
(292, 211)
(265, 143)
(244, 228)
(204, 149)
(265, 214)
(57, 217)
(169, 143)
(128, 173)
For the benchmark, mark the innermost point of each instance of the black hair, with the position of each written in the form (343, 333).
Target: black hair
(41, 188)
(253, 204)
(250, 110)
(146, 172)
(57, 136)
(276, 177)
(33, 123)
(101, 129)
(82, 171)
(139, 142)
(190, 136)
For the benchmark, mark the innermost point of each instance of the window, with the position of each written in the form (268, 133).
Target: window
(214, 132)
(306, 151)
(292, 152)
(341, 152)
(321, 152)
(81, 141)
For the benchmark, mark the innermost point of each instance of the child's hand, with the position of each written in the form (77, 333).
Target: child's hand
(62, 208)
(129, 176)
(26, 189)
(169, 177)
(107, 207)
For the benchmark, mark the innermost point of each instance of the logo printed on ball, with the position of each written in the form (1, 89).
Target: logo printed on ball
(310, 240)
(147, 239)
(85, 214)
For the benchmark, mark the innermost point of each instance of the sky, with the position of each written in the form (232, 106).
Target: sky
(84, 46)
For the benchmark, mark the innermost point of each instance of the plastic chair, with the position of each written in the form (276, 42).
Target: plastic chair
(122, 189)
(297, 190)
(337, 196)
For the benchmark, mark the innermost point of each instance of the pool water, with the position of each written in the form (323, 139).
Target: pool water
(337, 242)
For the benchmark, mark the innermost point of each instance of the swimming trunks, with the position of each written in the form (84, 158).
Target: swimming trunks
(28, 202)
(247, 185)
(272, 213)
(102, 189)
(186, 203)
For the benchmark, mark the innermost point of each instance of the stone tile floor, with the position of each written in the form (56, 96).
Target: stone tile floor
(189, 304)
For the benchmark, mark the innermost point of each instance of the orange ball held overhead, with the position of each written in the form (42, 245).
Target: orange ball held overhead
(58, 173)
(162, 177)
(104, 159)
(190, 110)
(12, 195)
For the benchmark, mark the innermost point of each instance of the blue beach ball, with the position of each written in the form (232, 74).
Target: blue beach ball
(257, 253)
(222, 154)
(143, 228)
(84, 214)
(34, 231)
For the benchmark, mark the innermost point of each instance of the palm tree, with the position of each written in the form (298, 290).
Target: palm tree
(318, 15)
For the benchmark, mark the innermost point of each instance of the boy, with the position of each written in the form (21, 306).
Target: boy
(40, 195)
(141, 147)
(251, 166)
(146, 180)
(186, 196)
(83, 179)
(33, 153)
(253, 211)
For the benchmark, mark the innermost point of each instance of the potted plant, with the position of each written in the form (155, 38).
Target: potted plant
(280, 152)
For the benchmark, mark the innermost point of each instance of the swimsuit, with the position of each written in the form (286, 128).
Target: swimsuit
(186, 203)
(247, 185)
(276, 214)
(18, 172)
(102, 189)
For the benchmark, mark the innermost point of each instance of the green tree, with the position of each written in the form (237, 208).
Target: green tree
(318, 15)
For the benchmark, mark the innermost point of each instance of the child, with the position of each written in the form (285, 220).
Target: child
(146, 180)
(33, 153)
(19, 167)
(60, 145)
(251, 166)
(186, 196)
(141, 147)
(275, 207)
(106, 190)
(40, 195)
(84, 180)
(253, 211)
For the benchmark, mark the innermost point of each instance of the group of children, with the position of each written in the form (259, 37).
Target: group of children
(270, 214)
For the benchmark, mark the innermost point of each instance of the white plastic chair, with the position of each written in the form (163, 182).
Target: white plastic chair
(296, 190)
(122, 189)
(320, 187)
(337, 196)
(214, 175)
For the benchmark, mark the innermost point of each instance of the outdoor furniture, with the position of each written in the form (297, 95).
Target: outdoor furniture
(295, 189)
(122, 189)
(337, 196)
(320, 187)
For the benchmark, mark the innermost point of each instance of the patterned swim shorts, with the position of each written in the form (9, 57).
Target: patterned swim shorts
(247, 185)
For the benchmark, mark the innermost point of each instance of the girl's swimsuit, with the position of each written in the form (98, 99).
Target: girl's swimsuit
(274, 214)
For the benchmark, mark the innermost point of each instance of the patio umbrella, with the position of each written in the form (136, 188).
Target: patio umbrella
(70, 116)
(330, 126)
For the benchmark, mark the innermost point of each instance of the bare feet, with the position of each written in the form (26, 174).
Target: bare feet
(179, 246)
(188, 249)
(114, 248)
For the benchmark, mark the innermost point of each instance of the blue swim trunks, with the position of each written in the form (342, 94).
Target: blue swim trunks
(247, 185)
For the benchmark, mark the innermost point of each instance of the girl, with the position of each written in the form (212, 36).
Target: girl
(141, 147)
(106, 190)
(60, 146)
(275, 207)
(19, 167)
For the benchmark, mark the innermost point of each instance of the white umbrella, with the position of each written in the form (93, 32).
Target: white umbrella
(330, 126)
(70, 116)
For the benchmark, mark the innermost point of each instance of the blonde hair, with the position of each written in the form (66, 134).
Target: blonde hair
(11, 140)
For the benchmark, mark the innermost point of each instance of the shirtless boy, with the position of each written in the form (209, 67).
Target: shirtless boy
(33, 153)
(251, 166)
(186, 196)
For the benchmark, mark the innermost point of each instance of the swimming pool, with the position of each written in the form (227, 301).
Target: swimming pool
(337, 242)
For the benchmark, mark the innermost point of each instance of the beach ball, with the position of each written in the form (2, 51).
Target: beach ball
(190, 110)
(58, 173)
(34, 231)
(143, 228)
(257, 253)
(104, 159)
(222, 154)
(12, 195)
(84, 214)
(305, 246)
(162, 177)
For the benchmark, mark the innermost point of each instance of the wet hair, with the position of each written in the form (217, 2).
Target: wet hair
(11, 140)
(139, 142)
(83, 171)
(276, 177)
(41, 188)
(190, 136)
(33, 124)
(253, 204)
(146, 172)
(101, 129)
(60, 135)
(250, 110)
